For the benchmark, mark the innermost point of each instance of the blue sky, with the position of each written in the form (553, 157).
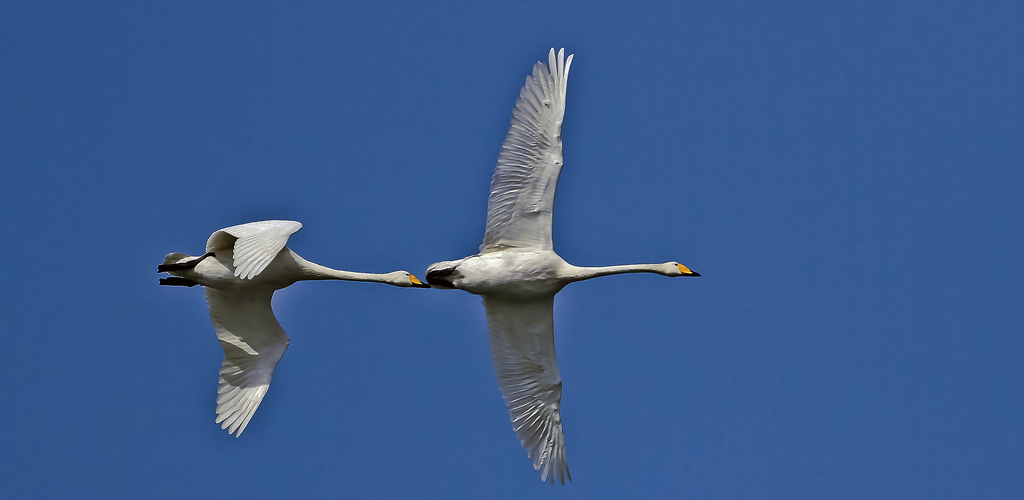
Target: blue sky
(847, 178)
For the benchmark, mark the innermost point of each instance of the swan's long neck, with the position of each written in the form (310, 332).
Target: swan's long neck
(314, 271)
(577, 273)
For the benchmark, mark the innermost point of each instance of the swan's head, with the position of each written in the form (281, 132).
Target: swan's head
(677, 269)
(405, 278)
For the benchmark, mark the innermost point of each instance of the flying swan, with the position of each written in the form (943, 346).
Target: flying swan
(240, 270)
(518, 273)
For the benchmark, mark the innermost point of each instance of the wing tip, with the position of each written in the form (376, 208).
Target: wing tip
(237, 418)
(559, 64)
(551, 469)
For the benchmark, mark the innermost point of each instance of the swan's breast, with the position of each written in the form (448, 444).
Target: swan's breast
(513, 273)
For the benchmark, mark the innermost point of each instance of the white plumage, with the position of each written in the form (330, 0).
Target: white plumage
(518, 273)
(523, 188)
(255, 243)
(242, 268)
(253, 343)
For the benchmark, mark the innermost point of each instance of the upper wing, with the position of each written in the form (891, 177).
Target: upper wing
(255, 244)
(253, 343)
(523, 187)
(523, 353)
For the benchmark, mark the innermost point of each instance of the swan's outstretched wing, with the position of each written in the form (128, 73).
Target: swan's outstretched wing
(523, 187)
(255, 244)
(523, 352)
(253, 343)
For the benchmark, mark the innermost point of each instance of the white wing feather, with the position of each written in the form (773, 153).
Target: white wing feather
(523, 352)
(255, 244)
(253, 343)
(523, 188)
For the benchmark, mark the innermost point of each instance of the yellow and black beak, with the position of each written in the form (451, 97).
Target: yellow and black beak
(687, 272)
(417, 283)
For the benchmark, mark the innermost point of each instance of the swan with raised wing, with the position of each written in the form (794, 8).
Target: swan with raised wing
(518, 273)
(242, 267)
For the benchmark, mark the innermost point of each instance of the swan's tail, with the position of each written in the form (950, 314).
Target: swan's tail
(179, 262)
(175, 257)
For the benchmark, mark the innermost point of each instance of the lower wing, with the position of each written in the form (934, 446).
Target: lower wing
(253, 343)
(523, 352)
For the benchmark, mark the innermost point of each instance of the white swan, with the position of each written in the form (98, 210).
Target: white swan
(242, 267)
(518, 273)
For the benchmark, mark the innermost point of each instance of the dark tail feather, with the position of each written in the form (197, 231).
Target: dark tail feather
(176, 281)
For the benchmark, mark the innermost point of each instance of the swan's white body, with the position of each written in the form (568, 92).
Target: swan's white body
(243, 267)
(518, 273)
